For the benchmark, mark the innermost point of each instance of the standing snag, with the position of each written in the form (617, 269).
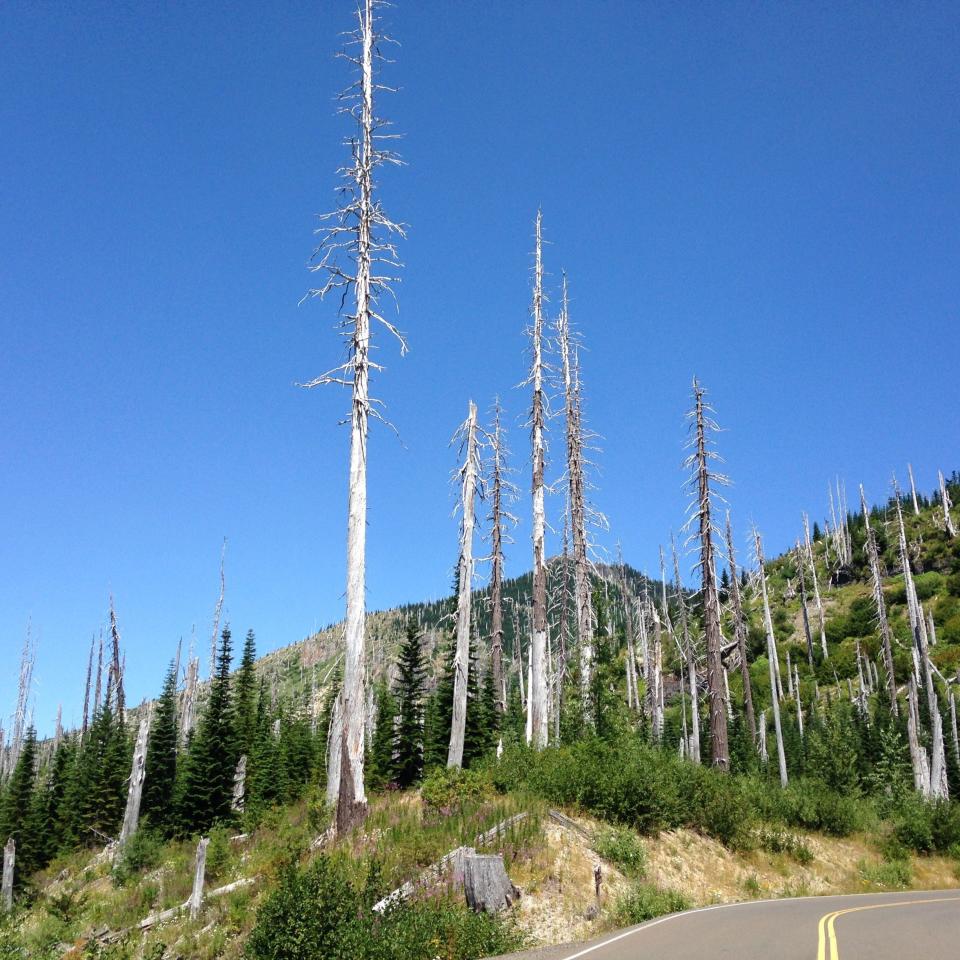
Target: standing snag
(537, 706)
(461, 663)
(740, 631)
(701, 485)
(358, 255)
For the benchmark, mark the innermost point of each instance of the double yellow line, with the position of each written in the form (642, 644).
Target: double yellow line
(827, 934)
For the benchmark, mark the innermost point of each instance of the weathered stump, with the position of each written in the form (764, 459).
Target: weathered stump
(486, 884)
(9, 858)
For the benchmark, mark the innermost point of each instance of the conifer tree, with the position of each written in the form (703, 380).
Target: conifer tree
(380, 769)
(266, 779)
(160, 774)
(211, 761)
(245, 709)
(49, 802)
(15, 815)
(408, 736)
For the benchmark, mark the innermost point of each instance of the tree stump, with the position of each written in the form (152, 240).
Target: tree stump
(486, 884)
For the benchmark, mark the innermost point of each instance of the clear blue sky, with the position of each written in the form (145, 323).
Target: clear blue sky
(766, 195)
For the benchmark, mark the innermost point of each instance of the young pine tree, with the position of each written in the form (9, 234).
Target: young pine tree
(245, 685)
(207, 788)
(160, 769)
(380, 769)
(408, 734)
(15, 817)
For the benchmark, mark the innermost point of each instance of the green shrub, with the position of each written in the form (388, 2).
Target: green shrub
(778, 841)
(892, 875)
(324, 911)
(643, 901)
(141, 852)
(928, 827)
(623, 848)
(447, 789)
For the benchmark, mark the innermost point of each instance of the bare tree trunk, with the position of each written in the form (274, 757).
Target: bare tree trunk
(913, 491)
(633, 700)
(796, 686)
(690, 659)
(239, 785)
(131, 816)
(116, 669)
(808, 636)
(497, 518)
(334, 751)
(189, 702)
(217, 610)
(701, 483)
(881, 605)
(918, 756)
(578, 522)
(740, 632)
(790, 677)
(86, 693)
(762, 740)
(953, 728)
(195, 903)
(655, 682)
(9, 862)
(461, 661)
(772, 655)
(816, 588)
(946, 505)
(537, 708)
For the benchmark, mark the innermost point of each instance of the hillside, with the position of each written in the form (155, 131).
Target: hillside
(666, 832)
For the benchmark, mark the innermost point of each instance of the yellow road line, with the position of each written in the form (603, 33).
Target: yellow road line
(827, 934)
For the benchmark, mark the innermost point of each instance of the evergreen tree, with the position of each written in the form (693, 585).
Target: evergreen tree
(246, 696)
(438, 716)
(15, 817)
(207, 789)
(298, 755)
(266, 777)
(160, 768)
(380, 767)
(408, 738)
(49, 803)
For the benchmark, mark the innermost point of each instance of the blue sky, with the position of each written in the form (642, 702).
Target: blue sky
(764, 195)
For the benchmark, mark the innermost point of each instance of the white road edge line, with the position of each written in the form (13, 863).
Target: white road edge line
(725, 906)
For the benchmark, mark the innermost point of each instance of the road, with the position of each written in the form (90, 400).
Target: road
(911, 925)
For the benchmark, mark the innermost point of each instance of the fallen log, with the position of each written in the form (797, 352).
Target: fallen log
(490, 835)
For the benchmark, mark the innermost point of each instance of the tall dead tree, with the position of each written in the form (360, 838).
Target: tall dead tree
(131, 816)
(537, 705)
(772, 656)
(500, 490)
(357, 253)
(801, 576)
(808, 543)
(701, 483)
(945, 504)
(740, 632)
(115, 673)
(467, 434)
(577, 502)
(633, 697)
(689, 655)
(880, 603)
(217, 610)
(86, 692)
(913, 491)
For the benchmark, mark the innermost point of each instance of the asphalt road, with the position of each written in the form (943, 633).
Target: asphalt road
(922, 925)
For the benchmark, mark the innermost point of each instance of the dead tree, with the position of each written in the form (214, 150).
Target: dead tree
(740, 632)
(537, 706)
(946, 505)
(131, 816)
(9, 862)
(467, 434)
(918, 755)
(655, 680)
(357, 254)
(239, 785)
(880, 603)
(913, 491)
(86, 692)
(218, 610)
(801, 563)
(188, 700)
(816, 587)
(195, 903)
(689, 656)
(501, 489)
(772, 655)
(701, 484)
(115, 674)
(633, 697)
(577, 504)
